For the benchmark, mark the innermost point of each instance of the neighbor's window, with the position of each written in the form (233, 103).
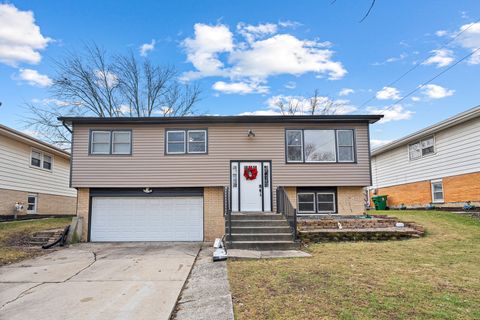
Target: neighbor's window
(437, 191)
(325, 202)
(315, 146)
(306, 202)
(41, 160)
(345, 146)
(421, 148)
(294, 146)
(106, 142)
(186, 141)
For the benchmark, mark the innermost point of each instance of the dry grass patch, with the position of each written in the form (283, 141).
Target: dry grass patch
(435, 277)
(14, 236)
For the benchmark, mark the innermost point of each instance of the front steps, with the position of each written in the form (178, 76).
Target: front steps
(260, 231)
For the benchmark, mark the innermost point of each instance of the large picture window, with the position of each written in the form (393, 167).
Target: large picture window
(319, 146)
(110, 142)
(186, 141)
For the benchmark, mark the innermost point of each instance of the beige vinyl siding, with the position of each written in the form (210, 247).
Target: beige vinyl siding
(457, 152)
(148, 166)
(17, 174)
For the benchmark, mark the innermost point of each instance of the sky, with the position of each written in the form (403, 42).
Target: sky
(248, 55)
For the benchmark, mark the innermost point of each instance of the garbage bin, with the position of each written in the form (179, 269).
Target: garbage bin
(380, 202)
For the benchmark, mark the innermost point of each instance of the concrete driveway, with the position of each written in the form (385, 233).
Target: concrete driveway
(98, 281)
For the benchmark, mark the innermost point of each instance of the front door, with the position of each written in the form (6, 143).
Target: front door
(251, 187)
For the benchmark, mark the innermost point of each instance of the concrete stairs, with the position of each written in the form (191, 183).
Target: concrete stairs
(260, 231)
(45, 237)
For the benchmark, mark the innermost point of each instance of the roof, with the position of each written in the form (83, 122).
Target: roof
(450, 122)
(25, 138)
(222, 119)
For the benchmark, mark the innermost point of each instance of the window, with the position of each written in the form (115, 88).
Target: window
(345, 146)
(316, 146)
(32, 203)
(197, 141)
(437, 191)
(41, 160)
(106, 142)
(306, 202)
(294, 146)
(421, 148)
(186, 141)
(325, 202)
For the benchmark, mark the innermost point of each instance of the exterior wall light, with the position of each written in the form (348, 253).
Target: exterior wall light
(251, 134)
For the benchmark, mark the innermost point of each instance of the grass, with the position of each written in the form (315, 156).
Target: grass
(13, 235)
(434, 277)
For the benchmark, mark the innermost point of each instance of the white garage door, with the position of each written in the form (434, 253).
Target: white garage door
(147, 219)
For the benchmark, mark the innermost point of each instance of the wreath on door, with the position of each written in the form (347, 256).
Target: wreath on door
(250, 172)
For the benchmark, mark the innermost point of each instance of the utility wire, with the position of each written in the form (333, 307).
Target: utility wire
(415, 66)
(433, 78)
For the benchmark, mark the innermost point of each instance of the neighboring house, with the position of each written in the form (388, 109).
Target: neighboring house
(34, 174)
(164, 179)
(439, 164)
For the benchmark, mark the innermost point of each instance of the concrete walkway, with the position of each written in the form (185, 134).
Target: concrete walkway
(206, 295)
(269, 254)
(98, 281)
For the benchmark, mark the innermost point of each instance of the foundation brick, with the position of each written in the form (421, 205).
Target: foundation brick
(83, 204)
(214, 220)
(351, 200)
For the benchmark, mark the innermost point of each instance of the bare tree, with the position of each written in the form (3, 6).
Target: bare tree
(94, 83)
(315, 105)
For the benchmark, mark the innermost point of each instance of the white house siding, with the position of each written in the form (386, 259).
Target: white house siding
(17, 174)
(457, 151)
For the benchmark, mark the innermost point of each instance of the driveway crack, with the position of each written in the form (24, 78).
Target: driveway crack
(85, 268)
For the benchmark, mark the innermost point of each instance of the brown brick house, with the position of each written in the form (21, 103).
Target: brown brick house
(34, 174)
(166, 179)
(439, 164)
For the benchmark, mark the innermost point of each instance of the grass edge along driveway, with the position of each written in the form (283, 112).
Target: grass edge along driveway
(434, 277)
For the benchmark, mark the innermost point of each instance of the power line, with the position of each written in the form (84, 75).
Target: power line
(419, 64)
(431, 79)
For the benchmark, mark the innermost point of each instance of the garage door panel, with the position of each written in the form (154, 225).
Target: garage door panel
(147, 219)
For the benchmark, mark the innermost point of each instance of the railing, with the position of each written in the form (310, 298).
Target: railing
(227, 212)
(285, 207)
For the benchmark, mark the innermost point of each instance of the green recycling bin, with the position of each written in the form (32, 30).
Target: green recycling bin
(380, 202)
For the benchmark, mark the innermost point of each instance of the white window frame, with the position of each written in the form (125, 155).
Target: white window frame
(184, 141)
(294, 145)
(433, 182)
(92, 142)
(35, 196)
(188, 141)
(352, 146)
(314, 203)
(113, 142)
(42, 159)
(421, 149)
(334, 201)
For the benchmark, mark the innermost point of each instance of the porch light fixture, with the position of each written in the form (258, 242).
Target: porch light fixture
(147, 190)
(251, 134)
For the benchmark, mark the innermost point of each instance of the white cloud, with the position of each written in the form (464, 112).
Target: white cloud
(303, 104)
(401, 57)
(146, 48)
(110, 78)
(376, 143)
(204, 48)
(441, 33)
(268, 112)
(214, 52)
(289, 24)
(388, 93)
(415, 99)
(434, 91)
(441, 57)
(239, 87)
(20, 37)
(346, 92)
(393, 113)
(290, 85)
(32, 77)
(470, 39)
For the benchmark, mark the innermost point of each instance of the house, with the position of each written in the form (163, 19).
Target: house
(168, 178)
(35, 175)
(439, 164)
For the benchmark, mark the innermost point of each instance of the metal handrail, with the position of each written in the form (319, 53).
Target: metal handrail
(228, 212)
(285, 207)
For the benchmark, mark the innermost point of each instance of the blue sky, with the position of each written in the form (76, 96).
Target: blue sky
(248, 54)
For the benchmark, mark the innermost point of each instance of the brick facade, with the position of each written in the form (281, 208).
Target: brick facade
(213, 206)
(292, 195)
(456, 191)
(83, 205)
(351, 200)
(46, 203)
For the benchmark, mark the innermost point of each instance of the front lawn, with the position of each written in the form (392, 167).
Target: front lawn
(435, 277)
(14, 234)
